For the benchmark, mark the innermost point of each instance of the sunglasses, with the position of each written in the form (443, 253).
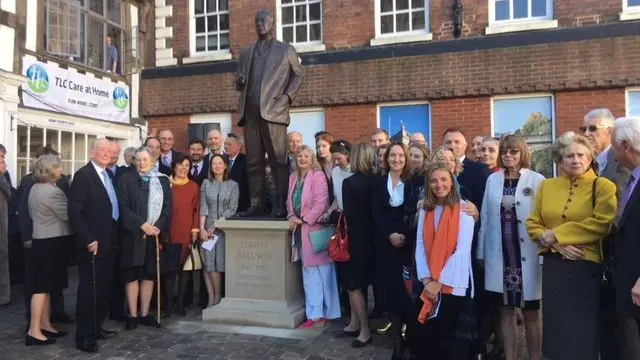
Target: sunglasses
(512, 152)
(592, 128)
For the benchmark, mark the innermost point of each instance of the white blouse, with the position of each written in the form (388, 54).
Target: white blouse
(396, 195)
(457, 271)
(337, 177)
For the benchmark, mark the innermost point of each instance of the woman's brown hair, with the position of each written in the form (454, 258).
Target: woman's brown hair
(515, 142)
(225, 174)
(430, 201)
(406, 170)
(329, 139)
(425, 154)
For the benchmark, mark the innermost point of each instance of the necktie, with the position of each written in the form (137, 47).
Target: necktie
(194, 173)
(627, 194)
(165, 160)
(115, 212)
(231, 163)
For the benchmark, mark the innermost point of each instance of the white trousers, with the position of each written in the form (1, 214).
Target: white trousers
(321, 292)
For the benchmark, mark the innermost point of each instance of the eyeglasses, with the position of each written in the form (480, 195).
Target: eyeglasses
(592, 128)
(512, 152)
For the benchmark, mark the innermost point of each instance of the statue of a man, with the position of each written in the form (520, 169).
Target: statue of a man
(268, 77)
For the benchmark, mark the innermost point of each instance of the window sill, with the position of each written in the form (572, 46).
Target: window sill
(521, 26)
(629, 15)
(400, 38)
(309, 48)
(206, 57)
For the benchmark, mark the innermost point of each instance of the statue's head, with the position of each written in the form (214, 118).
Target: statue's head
(264, 24)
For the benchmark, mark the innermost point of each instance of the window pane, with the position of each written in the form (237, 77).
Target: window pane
(634, 103)
(224, 21)
(223, 5)
(212, 23)
(386, 24)
(314, 12)
(634, 3)
(52, 139)
(199, 6)
(79, 150)
(386, 5)
(36, 140)
(315, 32)
(301, 13)
(212, 42)
(287, 1)
(520, 9)
(201, 44)
(402, 22)
(200, 28)
(287, 34)
(95, 42)
(301, 33)
(417, 4)
(539, 8)
(65, 145)
(414, 118)
(97, 6)
(23, 169)
(67, 167)
(417, 20)
(502, 10)
(224, 41)
(531, 118)
(90, 140)
(402, 4)
(287, 15)
(212, 6)
(114, 11)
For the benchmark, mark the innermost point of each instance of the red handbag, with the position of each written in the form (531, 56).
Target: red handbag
(339, 244)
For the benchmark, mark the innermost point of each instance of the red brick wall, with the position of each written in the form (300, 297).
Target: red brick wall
(242, 27)
(177, 124)
(353, 123)
(572, 13)
(348, 23)
(475, 18)
(572, 106)
(473, 115)
(180, 23)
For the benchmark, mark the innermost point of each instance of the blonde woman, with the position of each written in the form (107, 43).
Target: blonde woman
(572, 214)
(307, 201)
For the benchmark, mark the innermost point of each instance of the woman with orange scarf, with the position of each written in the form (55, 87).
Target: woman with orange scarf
(443, 264)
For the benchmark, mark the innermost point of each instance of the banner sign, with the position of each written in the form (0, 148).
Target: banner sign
(50, 87)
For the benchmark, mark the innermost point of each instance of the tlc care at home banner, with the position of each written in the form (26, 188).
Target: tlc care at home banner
(50, 87)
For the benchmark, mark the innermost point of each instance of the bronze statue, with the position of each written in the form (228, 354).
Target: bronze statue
(268, 76)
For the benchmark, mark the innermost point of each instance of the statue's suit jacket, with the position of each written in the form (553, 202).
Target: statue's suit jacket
(282, 75)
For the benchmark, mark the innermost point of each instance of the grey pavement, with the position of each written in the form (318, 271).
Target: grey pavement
(185, 338)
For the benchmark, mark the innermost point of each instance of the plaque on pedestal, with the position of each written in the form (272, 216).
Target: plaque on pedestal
(262, 286)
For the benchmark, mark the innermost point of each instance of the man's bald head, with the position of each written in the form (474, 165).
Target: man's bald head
(215, 141)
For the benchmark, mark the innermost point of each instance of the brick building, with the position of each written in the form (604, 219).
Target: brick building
(488, 66)
(63, 83)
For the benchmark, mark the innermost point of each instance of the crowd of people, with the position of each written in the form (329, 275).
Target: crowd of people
(459, 247)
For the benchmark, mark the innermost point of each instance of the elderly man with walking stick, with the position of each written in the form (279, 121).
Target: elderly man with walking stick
(93, 214)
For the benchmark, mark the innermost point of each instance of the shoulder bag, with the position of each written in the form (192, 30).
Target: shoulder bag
(339, 243)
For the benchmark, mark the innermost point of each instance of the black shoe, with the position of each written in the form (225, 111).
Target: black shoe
(149, 320)
(356, 344)
(346, 334)
(30, 340)
(87, 345)
(51, 334)
(62, 318)
(106, 334)
(131, 323)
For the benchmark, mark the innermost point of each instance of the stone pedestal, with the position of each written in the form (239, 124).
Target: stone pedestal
(262, 286)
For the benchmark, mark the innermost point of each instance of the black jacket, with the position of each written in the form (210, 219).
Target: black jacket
(627, 248)
(239, 174)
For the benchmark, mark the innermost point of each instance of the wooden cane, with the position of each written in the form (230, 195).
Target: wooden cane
(158, 275)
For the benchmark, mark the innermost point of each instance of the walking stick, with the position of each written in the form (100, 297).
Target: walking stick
(95, 306)
(158, 275)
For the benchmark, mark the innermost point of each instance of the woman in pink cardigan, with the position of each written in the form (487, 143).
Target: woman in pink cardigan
(306, 202)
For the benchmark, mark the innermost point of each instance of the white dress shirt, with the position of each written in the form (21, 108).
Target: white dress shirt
(396, 195)
(99, 170)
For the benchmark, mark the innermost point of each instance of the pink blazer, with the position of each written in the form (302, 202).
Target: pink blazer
(315, 199)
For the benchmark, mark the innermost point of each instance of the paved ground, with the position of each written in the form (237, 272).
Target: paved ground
(186, 338)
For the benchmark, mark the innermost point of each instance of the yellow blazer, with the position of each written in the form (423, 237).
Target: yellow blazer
(565, 207)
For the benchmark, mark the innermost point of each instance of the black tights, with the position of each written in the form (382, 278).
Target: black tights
(396, 329)
(183, 283)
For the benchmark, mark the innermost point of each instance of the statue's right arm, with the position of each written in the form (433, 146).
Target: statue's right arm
(240, 79)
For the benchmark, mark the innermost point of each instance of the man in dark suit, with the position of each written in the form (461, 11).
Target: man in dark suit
(215, 141)
(199, 168)
(93, 216)
(269, 76)
(26, 229)
(238, 169)
(627, 243)
(473, 180)
(167, 153)
(154, 147)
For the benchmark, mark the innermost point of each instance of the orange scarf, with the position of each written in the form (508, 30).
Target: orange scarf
(439, 245)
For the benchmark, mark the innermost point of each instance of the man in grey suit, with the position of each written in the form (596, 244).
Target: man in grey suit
(269, 76)
(598, 128)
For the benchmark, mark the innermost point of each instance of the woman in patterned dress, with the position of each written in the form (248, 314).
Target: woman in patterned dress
(218, 201)
(510, 258)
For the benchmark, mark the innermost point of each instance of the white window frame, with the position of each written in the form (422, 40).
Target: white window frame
(524, 24)
(313, 110)
(528, 96)
(405, 36)
(407, 103)
(629, 12)
(626, 98)
(204, 56)
(306, 46)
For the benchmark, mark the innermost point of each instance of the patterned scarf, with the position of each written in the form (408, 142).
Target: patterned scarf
(156, 195)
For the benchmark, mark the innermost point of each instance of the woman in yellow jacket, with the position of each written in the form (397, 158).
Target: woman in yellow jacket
(572, 214)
